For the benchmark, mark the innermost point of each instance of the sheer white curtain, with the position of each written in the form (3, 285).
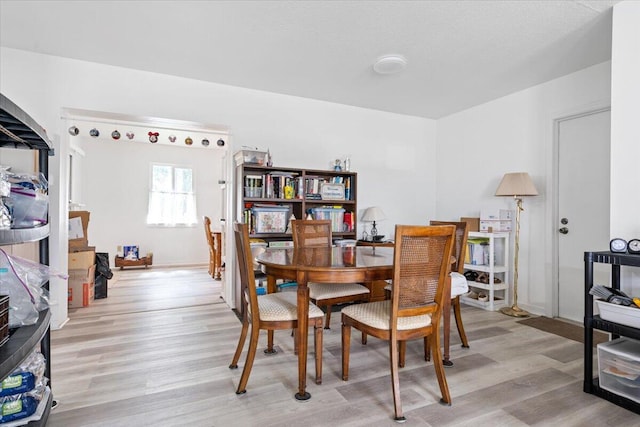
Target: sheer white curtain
(172, 201)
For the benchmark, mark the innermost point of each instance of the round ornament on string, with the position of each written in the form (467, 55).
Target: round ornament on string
(130, 135)
(115, 135)
(94, 132)
(153, 137)
(205, 142)
(188, 140)
(172, 138)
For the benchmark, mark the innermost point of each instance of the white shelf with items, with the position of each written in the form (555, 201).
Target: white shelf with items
(495, 267)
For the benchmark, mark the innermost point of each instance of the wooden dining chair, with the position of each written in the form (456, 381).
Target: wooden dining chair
(270, 312)
(317, 233)
(420, 269)
(458, 287)
(212, 247)
(458, 281)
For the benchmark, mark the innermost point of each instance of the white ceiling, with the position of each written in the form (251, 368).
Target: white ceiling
(459, 53)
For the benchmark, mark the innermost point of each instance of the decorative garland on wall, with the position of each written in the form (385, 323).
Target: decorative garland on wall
(162, 132)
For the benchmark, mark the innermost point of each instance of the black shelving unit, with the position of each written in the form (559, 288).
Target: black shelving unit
(19, 131)
(591, 322)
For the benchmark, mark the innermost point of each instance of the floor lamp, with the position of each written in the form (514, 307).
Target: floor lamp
(516, 184)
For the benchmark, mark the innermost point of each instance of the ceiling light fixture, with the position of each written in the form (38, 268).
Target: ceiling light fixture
(390, 64)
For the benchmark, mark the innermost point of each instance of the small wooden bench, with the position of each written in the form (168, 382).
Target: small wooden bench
(144, 261)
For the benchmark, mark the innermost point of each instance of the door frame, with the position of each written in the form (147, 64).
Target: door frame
(552, 303)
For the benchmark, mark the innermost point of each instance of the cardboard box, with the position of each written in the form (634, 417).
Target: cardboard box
(81, 292)
(81, 260)
(473, 224)
(78, 229)
(82, 249)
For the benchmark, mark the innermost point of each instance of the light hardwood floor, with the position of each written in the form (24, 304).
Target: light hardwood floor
(156, 353)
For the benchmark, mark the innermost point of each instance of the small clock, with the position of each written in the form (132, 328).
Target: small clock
(633, 247)
(618, 245)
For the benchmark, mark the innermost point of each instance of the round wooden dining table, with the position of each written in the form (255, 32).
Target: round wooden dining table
(322, 265)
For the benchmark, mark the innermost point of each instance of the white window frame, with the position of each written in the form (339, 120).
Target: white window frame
(156, 196)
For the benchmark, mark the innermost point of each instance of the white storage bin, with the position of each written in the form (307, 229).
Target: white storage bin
(629, 316)
(336, 215)
(619, 367)
(271, 220)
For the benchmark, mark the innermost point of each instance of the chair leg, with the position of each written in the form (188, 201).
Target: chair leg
(295, 341)
(240, 346)
(318, 349)
(328, 316)
(251, 355)
(402, 351)
(270, 349)
(439, 367)
(346, 349)
(363, 340)
(427, 348)
(456, 311)
(395, 381)
(446, 329)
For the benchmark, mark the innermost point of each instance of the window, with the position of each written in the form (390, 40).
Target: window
(172, 201)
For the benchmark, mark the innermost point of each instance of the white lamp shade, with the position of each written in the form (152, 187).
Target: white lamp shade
(373, 214)
(516, 184)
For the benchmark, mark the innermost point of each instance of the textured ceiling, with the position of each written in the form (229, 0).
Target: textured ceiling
(459, 53)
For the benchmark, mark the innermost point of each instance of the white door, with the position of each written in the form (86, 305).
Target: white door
(583, 205)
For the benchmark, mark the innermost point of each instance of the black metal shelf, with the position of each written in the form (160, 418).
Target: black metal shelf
(19, 130)
(612, 397)
(22, 342)
(591, 322)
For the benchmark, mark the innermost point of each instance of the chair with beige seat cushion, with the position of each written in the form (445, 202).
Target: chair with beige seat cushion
(270, 312)
(317, 233)
(421, 268)
(458, 287)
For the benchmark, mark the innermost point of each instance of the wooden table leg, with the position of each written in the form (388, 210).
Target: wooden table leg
(303, 331)
(271, 288)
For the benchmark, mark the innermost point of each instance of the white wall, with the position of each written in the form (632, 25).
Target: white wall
(512, 134)
(393, 154)
(625, 130)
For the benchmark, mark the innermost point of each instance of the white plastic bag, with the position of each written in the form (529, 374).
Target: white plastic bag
(22, 280)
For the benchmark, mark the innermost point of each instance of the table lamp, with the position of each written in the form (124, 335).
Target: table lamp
(373, 214)
(516, 184)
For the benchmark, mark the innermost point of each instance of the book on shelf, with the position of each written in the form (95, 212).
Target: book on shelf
(312, 187)
(277, 182)
(348, 221)
(477, 251)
